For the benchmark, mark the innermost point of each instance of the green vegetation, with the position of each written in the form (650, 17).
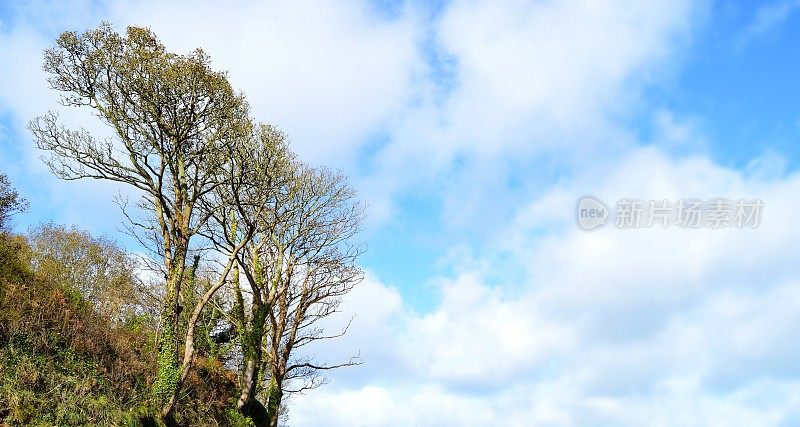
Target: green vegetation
(64, 361)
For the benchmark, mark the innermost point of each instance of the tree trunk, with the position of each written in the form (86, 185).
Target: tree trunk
(249, 381)
(274, 397)
(168, 377)
(247, 404)
(251, 346)
(182, 371)
(168, 368)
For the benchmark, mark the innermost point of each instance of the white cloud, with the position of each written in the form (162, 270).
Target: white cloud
(552, 63)
(537, 87)
(477, 339)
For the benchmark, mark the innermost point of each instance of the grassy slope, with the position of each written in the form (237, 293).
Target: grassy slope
(61, 363)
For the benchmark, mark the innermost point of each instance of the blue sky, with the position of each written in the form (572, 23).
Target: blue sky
(471, 128)
(740, 82)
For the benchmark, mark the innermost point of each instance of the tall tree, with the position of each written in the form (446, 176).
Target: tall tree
(276, 174)
(174, 121)
(251, 179)
(299, 265)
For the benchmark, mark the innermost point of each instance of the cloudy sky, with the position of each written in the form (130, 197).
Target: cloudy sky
(471, 129)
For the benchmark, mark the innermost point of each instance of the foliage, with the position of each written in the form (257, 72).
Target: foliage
(10, 201)
(101, 270)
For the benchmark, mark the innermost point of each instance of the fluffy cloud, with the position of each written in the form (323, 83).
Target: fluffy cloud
(531, 89)
(552, 64)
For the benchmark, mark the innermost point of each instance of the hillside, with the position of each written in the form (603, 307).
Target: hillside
(62, 362)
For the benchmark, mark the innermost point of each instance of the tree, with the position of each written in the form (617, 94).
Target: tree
(10, 201)
(97, 267)
(250, 179)
(297, 267)
(175, 121)
(260, 169)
